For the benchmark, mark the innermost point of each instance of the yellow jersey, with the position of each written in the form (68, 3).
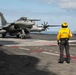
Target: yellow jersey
(64, 33)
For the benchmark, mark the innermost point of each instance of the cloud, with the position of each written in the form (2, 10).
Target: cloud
(50, 1)
(65, 4)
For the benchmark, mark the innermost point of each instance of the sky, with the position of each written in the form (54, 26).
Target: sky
(52, 11)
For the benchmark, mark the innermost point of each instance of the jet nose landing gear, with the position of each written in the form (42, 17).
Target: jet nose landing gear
(24, 34)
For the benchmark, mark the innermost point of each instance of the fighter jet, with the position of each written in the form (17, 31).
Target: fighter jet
(19, 28)
(42, 27)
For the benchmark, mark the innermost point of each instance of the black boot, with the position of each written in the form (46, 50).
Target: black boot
(61, 61)
(68, 61)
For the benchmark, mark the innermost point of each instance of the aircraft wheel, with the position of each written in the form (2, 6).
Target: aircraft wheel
(22, 37)
(3, 35)
(17, 36)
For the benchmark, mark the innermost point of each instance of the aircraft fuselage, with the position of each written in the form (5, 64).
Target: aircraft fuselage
(24, 24)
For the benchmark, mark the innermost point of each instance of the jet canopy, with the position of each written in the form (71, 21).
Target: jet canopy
(26, 18)
(22, 18)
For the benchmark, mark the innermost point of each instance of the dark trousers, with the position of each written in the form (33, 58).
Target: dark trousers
(64, 45)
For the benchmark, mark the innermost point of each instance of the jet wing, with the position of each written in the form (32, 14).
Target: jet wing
(7, 25)
(2, 31)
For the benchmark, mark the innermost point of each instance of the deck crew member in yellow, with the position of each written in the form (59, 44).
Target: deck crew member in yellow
(62, 39)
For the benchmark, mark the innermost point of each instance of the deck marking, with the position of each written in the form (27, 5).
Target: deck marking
(24, 48)
(50, 53)
(71, 56)
(37, 51)
(14, 46)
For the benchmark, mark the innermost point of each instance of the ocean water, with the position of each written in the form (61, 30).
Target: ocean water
(50, 32)
(47, 32)
(53, 32)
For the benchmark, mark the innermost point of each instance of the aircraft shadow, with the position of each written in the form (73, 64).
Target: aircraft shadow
(20, 65)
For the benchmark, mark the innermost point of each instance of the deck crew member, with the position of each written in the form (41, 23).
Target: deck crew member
(62, 39)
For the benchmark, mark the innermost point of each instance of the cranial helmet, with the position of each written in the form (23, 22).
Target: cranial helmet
(64, 24)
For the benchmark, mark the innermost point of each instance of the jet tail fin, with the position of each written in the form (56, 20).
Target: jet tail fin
(3, 20)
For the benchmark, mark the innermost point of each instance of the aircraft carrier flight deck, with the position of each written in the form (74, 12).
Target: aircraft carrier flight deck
(37, 55)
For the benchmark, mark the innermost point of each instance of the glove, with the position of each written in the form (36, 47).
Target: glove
(58, 43)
